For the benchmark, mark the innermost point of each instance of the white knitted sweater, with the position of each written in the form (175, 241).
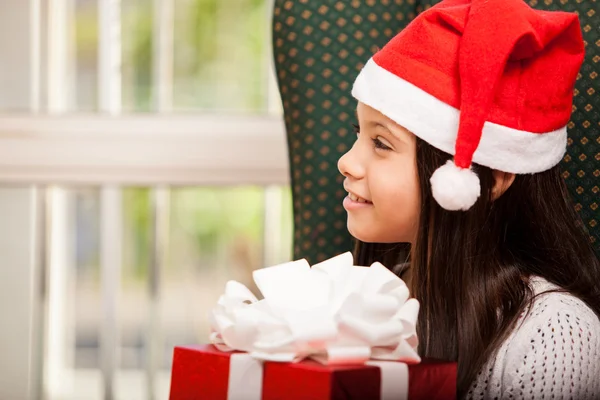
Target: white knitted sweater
(553, 354)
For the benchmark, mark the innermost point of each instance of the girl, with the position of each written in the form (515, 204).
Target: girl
(507, 279)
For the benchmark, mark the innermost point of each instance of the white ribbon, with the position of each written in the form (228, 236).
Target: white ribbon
(245, 378)
(394, 379)
(334, 312)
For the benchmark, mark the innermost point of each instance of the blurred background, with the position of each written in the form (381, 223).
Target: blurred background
(143, 165)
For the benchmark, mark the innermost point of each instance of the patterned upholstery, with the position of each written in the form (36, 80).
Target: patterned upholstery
(319, 47)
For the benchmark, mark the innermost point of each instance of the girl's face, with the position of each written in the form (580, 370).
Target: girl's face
(383, 201)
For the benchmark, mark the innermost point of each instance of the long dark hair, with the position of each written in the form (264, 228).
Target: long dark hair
(465, 266)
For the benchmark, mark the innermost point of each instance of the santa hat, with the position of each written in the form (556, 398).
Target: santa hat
(488, 81)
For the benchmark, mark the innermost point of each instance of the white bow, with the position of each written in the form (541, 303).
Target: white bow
(334, 312)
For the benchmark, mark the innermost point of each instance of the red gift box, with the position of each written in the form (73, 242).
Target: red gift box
(202, 372)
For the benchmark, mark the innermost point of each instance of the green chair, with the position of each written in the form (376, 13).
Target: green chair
(319, 47)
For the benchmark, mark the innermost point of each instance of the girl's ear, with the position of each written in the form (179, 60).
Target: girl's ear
(502, 181)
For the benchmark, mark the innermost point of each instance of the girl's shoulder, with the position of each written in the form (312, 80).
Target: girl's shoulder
(550, 299)
(553, 350)
(553, 308)
(556, 321)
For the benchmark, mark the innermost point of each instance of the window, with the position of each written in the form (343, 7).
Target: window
(156, 149)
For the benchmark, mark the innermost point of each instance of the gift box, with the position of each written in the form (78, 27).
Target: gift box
(331, 331)
(203, 372)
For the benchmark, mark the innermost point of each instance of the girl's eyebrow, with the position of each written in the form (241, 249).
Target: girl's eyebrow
(391, 132)
(377, 123)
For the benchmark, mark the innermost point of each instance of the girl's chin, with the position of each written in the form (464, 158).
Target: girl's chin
(367, 235)
(364, 235)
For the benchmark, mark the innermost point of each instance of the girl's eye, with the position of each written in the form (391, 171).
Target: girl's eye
(376, 142)
(380, 145)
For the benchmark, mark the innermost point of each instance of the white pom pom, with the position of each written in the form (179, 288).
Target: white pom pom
(455, 188)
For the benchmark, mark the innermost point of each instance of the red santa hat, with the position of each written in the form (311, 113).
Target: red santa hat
(488, 81)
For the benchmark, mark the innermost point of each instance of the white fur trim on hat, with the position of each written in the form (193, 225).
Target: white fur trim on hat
(455, 188)
(501, 147)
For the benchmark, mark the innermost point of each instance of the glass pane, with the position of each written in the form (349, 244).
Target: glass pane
(86, 55)
(137, 51)
(86, 378)
(221, 54)
(215, 234)
(87, 278)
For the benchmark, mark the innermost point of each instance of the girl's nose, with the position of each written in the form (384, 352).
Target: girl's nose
(349, 164)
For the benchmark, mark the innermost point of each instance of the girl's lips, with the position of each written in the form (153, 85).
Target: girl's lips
(357, 198)
(350, 204)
